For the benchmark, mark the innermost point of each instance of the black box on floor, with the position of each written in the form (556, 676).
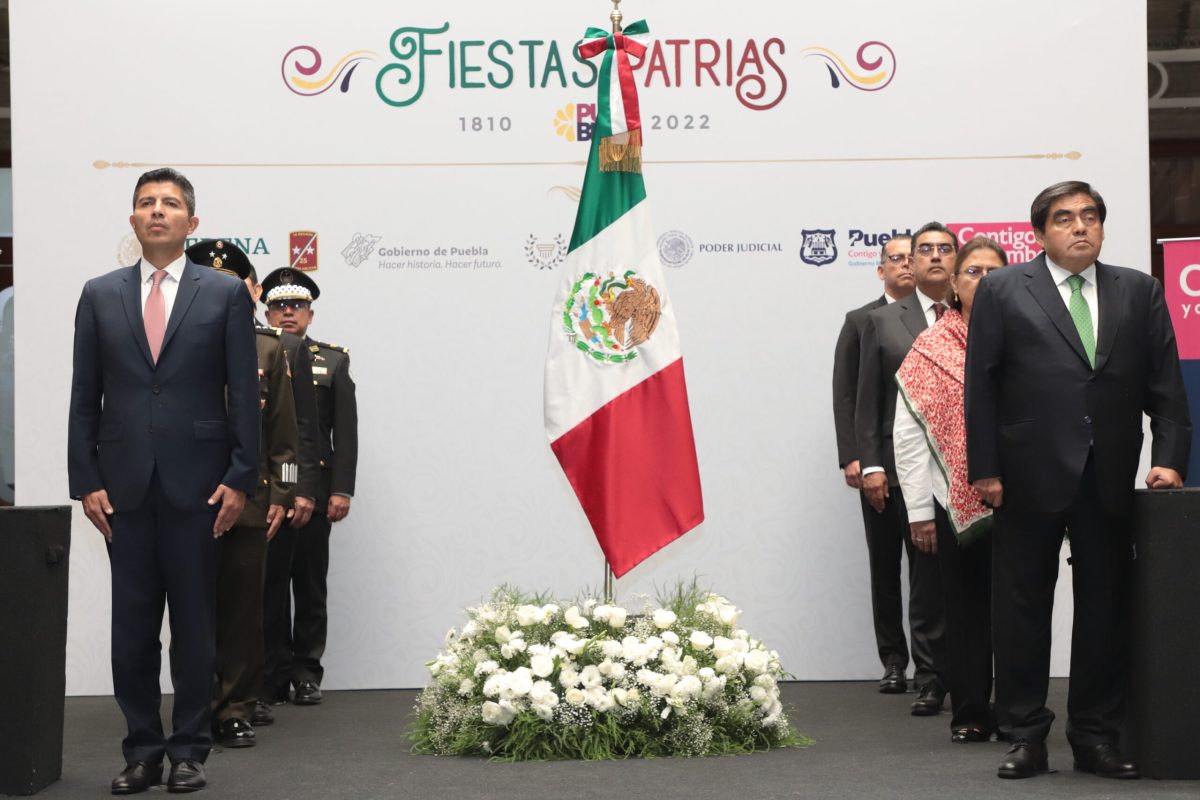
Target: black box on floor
(1164, 696)
(35, 545)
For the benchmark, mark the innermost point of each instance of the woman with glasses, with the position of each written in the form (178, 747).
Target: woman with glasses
(944, 512)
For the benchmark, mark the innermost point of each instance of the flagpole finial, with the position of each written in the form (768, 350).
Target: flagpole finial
(616, 16)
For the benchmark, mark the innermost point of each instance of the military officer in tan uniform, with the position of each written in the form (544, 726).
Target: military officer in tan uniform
(243, 558)
(288, 294)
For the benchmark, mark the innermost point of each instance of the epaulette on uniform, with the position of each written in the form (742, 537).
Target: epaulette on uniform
(315, 345)
(267, 330)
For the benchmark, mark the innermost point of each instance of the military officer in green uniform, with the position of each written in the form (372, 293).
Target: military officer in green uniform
(243, 553)
(277, 591)
(288, 294)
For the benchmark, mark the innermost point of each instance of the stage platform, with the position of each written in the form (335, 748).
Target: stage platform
(352, 746)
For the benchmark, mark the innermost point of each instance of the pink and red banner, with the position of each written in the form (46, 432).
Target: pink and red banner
(1181, 283)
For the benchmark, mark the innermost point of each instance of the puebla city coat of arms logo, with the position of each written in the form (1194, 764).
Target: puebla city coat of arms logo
(608, 318)
(819, 247)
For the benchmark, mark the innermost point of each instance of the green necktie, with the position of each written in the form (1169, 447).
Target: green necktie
(1082, 316)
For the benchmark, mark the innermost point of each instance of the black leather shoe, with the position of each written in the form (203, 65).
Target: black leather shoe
(307, 694)
(235, 733)
(969, 735)
(263, 715)
(1024, 760)
(929, 701)
(137, 777)
(1104, 760)
(186, 776)
(893, 681)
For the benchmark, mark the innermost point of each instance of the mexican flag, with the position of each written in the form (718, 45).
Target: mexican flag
(615, 397)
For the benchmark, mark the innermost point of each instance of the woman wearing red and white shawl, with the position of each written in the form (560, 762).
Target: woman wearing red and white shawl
(944, 512)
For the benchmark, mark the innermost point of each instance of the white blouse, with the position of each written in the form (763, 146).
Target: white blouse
(921, 479)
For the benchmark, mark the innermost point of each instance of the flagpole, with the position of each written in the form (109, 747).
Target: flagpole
(609, 589)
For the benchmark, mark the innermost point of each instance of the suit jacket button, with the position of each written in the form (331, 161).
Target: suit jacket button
(157, 390)
(1087, 420)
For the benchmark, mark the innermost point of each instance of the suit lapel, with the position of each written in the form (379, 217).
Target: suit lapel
(1108, 292)
(1041, 286)
(188, 286)
(131, 300)
(912, 315)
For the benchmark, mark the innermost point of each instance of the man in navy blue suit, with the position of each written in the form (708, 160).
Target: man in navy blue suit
(162, 449)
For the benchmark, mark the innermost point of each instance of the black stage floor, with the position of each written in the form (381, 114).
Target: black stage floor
(352, 746)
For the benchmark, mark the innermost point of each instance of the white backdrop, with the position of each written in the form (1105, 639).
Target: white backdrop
(969, 112)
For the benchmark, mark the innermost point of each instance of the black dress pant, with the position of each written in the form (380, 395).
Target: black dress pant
(1025, 551)
(161, 555)
(239, 622)
(967, 586)
(310, 623)
(277, 613)
(297, 568)
(888, 538)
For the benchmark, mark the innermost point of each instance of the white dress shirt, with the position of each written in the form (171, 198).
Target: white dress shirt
(1088, 290)
(169, 284)
(921, 479)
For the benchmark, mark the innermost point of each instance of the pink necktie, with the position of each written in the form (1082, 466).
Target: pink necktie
(155, 315)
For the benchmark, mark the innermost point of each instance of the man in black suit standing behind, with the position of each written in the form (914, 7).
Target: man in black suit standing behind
(162, 450)
(886, 339)
(1064, 356)
(885, 532)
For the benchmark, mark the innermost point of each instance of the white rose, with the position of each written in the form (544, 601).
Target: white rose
(766, 681)
(728, 614)
(601, 613)
(601, 701)
(544, 712)
(758, 694)
(726, 664)
(575, 696)
(568, 678)
(616, 617)
(756, 661)
(503, 634)
(466, 687)
(541, 665)
(663, 618)
(575, 619)
(706, 673)
(611, 649)
(632, 698)
(500, 713)
(671, 638)
(528, 615)
(741, 646)
(486, 668)
(700, 640)
(470, 630)
(722, 647)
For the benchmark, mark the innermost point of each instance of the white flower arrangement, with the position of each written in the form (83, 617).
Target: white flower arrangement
(529, 680)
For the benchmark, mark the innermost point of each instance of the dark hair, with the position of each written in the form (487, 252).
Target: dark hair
(980, 242)
(168, 175)
(253, 275)
(937, 227)
(897, 238)
(1040, 209)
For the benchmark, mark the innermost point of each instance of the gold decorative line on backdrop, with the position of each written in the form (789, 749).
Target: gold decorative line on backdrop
(1073, 155)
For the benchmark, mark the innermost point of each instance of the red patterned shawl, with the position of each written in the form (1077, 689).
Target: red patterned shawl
(931, 384)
